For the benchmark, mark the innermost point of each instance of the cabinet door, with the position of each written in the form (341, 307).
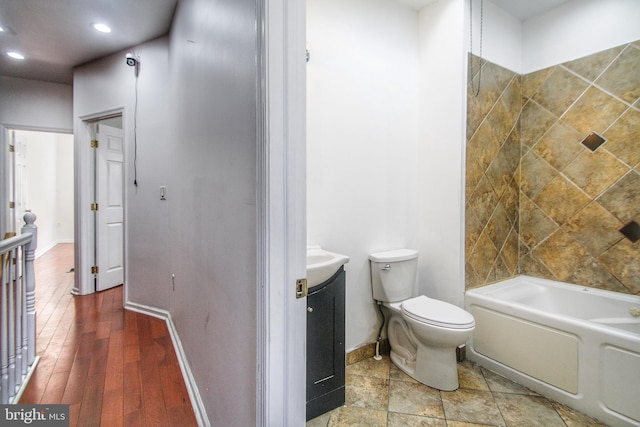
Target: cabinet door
(325, 337)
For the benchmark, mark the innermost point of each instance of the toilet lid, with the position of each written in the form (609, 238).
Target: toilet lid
(438, 313)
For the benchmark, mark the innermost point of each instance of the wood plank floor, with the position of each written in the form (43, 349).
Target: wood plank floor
(113, 367)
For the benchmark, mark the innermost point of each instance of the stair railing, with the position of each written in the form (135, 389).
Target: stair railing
(17, 310)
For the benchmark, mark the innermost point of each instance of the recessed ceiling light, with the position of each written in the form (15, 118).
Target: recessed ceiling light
(1, 29)
(102, 28)
(15, 55)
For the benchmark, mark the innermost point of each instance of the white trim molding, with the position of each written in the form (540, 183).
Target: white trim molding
(281, 167)
(189, 380)
(84, 226)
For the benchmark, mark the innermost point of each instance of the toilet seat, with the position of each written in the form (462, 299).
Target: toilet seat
(438, 313)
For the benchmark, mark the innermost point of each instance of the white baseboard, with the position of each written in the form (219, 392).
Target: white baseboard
(189, 380)
(42, 251)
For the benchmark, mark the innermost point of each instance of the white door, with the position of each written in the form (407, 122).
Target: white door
(20, 181)
(7, 182)
(110, 210)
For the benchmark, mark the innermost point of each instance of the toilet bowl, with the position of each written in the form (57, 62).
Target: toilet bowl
(423, 332)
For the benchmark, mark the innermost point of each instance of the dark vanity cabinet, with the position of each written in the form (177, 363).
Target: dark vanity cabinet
(325, 345)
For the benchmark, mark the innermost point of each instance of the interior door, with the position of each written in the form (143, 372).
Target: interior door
(110, 210)
(7, 165)
(20, 181)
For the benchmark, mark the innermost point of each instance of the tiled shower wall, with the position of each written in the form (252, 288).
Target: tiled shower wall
(576, 211)
(492, 171)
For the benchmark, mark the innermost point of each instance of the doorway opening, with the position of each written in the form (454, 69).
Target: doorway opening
(40, 179)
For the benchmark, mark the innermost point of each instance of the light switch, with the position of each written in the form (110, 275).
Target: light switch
(163, 192)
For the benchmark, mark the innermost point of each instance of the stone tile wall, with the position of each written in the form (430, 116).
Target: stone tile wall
(576, 215)
(492, 173)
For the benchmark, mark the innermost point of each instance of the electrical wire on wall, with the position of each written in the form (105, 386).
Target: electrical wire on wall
(134, 61)
(135, 133)
(475, 91)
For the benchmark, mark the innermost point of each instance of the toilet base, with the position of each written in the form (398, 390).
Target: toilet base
(406, 366)
(434, 367)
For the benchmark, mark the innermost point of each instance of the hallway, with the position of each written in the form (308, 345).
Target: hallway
(113, 367)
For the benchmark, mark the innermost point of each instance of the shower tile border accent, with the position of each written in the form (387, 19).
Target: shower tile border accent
(593, 141)
(631, 231)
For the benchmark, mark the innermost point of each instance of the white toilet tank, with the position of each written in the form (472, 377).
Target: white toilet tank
(393, 274)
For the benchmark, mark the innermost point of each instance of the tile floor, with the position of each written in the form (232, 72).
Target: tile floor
(380, 394)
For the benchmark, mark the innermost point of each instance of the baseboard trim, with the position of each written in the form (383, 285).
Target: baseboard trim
(43, 250)
(187, 375)
(367, 351)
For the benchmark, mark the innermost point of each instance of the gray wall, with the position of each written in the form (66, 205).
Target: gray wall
(103, 86)
(213, 200)
(30, 104)
(35, 105)
(196, 134)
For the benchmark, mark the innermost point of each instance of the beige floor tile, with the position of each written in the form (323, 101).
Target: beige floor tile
(404, 420)
(500, 384)
(371, 368)
(398, 374)
(414, 399)
(357, 417)
(463, 424)
(527, 411)
(378, 393)
(473, 406)
(470, 377)
(367, 392)
(573, 418)
(322, 420)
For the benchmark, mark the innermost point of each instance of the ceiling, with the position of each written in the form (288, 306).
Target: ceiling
(525, 9)
(56, 35)
(521, 9)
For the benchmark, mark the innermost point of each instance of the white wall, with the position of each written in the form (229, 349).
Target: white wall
(572, 30)
(41, 185)
(442, 111)
(578, 28)
(501, 35)
(385, 143)
(34, 104)
(362, 146)
(65, 214)
(49, 185)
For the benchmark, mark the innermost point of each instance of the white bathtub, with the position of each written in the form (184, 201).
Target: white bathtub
(579, 346)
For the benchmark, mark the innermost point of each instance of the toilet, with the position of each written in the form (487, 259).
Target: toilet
(423, 332)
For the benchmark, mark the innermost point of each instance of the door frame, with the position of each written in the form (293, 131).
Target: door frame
(281, 163)
(103, 156)
(6, 213)
(84, 187)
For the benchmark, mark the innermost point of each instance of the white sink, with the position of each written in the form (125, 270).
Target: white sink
(321, 265)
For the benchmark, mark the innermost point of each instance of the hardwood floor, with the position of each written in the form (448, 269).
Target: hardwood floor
(113, 367)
